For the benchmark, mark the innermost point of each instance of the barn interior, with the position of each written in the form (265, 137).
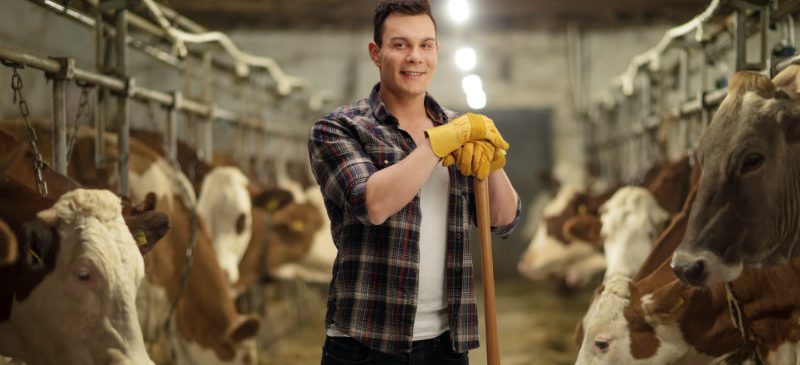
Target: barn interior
(589, 95)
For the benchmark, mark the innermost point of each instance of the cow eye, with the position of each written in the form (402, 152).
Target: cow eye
(601, 345)
(751, 162)
(240, 222)
(83, 275)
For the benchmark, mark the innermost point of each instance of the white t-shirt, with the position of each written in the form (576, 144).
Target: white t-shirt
(431, 319)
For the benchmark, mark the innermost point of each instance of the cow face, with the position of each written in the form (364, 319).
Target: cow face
(551, 254)
(631, 221)
(745, 210)
(226, 206)
(83, 310)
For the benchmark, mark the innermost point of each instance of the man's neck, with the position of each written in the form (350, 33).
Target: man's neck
(406, 110)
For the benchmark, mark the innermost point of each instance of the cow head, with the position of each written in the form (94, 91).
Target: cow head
(631, 222)
(551, 252)
(87, 267)
(226, 206)
(744, 213)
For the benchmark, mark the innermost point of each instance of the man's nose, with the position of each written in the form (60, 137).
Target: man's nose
(414, 55)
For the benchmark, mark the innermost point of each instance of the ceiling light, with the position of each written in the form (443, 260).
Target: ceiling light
(471, 83)
(466, 58)
(477, 99)
(459, 10)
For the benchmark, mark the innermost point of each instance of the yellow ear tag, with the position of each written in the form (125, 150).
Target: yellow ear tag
(583, 210)
(271, 206)
(140, 237)
(298, 225)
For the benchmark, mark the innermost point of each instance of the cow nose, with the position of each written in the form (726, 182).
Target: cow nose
(694, 273)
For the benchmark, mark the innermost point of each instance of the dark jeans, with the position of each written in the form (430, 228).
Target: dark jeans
(436, 351)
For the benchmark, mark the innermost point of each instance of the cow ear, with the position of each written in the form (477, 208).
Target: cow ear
(39, 244)
(584, 228)
(243, 328)
(9, 248)
(147, 229)
(788, 82)
(272, 199)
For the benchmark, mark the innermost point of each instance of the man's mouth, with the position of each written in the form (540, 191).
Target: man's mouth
(412, 73)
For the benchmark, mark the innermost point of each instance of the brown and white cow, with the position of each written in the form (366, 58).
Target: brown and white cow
(70, 297)
(746, 211)
(654, 318)
(204, 327)
(567, 242)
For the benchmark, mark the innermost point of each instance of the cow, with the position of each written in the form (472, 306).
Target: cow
(747, 201)
(317, 265)
(551, 254)
(630, 222)
(70, 297)
(288, 233)
(236, 209)
(226, 205)
(556, 251)
(185, 309)
(654, 318)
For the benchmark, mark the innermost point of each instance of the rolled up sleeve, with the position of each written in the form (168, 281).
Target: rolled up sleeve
(504, 231)
(341, 166)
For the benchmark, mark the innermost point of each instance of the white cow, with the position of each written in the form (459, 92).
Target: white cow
(83, 311)
(225, 204)
(631, 221)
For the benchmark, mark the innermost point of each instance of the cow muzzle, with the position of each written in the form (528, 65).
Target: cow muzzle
(703, 269)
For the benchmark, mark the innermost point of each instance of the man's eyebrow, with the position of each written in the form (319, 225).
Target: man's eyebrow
(404, 39)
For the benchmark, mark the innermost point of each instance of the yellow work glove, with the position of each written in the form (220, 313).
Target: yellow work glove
(469, 127)
(477, 159)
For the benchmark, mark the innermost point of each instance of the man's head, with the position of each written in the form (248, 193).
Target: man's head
(404, 46)
(402, 7)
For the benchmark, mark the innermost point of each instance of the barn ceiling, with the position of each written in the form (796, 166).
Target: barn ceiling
(318, 15)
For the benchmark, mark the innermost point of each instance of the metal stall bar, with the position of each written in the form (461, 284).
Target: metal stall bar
(123, 108)
(60, 79)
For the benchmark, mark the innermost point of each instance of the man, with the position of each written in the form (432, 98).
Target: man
(402, 289)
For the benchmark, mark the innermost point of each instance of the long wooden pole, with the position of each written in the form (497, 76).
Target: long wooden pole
(489, 308)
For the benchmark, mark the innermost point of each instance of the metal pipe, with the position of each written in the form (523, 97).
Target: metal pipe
(739, 25)
(60, 125)
(123, 108)
(172, 128)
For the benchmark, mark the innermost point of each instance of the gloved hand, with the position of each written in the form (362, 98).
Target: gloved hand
(477, 159)
(469, 127)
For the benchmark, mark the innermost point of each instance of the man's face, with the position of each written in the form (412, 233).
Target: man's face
(408, 56)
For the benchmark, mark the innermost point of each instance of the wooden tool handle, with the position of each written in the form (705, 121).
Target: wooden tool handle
(489, 308)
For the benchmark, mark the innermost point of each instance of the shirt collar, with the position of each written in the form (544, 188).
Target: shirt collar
(383, 116)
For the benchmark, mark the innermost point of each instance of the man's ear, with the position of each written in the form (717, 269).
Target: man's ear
(374, 53)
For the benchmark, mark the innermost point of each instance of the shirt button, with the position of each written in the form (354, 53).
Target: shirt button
(385, 161)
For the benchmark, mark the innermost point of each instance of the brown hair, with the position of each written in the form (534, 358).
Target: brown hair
(405, 7)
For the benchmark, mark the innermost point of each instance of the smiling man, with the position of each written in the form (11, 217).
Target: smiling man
(402, 289)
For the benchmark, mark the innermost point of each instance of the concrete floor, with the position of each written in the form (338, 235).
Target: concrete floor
(535, 327)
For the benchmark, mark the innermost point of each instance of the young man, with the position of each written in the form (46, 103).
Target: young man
(402, 289)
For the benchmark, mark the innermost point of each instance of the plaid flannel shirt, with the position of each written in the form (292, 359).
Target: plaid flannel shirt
(373, 294)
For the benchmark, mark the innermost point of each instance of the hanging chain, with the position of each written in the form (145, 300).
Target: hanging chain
(38, 164)
(82, 106)
(748, 349)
